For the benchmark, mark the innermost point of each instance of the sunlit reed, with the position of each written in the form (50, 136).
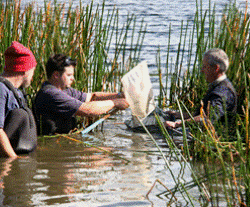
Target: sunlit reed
(219, 154)
(98, 41)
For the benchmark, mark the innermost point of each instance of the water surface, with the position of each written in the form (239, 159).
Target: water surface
(63, 172)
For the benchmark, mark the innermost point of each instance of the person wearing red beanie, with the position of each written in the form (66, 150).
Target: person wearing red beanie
(19, 58)
(16, 135)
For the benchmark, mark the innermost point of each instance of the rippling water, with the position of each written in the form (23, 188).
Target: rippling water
(62, 172)
(158, 15)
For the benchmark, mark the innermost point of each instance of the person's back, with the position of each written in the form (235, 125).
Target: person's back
(17, 125)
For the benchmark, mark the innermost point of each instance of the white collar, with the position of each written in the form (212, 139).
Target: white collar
(221, 78)
(218, 80)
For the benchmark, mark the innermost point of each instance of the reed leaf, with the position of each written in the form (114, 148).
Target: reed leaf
(187, 86)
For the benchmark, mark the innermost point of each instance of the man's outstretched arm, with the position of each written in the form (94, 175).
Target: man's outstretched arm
(95, 108)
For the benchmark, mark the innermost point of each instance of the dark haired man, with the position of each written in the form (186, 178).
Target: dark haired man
(221, 98)
(57, 104)
(17, 125)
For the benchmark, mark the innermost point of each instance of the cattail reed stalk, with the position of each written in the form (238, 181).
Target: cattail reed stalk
(83, 33)
(214, 148)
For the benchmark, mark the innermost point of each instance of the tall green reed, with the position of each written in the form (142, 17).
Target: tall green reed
(85, 33)
(179, 188)
(222, 154)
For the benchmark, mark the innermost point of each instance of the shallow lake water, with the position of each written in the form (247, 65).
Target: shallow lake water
(62, 172)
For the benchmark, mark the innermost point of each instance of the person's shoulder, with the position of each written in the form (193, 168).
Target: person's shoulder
(224, 88)
(227, 85)
(3, 87)
(48, 88)
(5, 92)
(47, 85)
(72, 91)
(46, 92)
(230, 84)
(227, 82)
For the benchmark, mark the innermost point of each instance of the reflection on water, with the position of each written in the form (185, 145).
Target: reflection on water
(64, 172)
(70, 174)
(16, 179)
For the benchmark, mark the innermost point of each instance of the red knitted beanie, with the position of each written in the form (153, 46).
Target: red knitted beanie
(19, 58)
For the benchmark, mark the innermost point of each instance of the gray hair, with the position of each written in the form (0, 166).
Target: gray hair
(217, 56)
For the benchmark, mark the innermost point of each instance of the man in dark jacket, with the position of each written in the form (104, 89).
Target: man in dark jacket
(221, 99)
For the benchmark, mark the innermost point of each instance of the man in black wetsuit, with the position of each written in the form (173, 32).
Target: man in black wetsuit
(220, 99)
